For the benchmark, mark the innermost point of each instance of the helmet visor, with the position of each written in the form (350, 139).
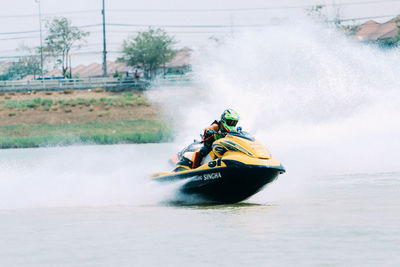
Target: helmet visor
(230, 122)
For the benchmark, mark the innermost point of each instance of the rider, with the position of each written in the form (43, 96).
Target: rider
(228, 122)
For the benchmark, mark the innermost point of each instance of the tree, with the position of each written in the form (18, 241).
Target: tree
(60, 39)
(26, 65)
(391, 42)
(23, 67)
(148, 50)
(317, 14)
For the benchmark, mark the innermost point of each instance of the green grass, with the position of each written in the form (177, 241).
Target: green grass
(139, 131)
(25, 104)
(127, 99)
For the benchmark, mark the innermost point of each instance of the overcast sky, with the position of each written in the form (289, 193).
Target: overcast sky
(19, 20)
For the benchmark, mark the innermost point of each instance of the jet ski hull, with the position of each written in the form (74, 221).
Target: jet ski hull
(233, 183)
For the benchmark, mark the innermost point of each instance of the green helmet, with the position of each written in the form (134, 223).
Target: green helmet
(229, 119)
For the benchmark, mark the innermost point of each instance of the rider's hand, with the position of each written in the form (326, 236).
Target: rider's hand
(210, 132)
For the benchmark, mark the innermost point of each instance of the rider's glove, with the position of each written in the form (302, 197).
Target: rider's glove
(209, 133)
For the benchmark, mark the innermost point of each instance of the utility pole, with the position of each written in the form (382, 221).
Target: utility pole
(70, 66)
(41, 42)
(104, 42)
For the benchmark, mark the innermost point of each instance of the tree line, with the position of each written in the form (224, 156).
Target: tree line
(149, 50)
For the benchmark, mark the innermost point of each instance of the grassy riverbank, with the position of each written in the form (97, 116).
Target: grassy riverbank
(90, 133)
(55, 119)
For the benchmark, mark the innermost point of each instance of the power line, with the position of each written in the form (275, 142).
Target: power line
(170, 32)
(145, 25)
(246, 9)
(76, 53)
(205, 9)
(90, 25)
(118, 32)
(183, 26)
(362, 3)
(36, 31)
(364, 18)
(50, 14)
(19, 38)
(9, 33)
(220, 26)
(170, 26)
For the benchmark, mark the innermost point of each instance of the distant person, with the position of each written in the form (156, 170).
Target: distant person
(136, 75)
(228, 122)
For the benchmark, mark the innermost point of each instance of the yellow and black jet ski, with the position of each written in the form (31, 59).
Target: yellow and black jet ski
(237, 167)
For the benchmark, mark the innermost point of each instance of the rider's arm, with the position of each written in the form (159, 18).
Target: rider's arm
(210, 131)
(213, 126)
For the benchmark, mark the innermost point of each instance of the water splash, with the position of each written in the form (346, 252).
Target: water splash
(82, 176)
(322, 102)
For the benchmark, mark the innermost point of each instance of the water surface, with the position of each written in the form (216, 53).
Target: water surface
(101, 211)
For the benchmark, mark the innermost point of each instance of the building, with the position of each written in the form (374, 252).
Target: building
(374, 31)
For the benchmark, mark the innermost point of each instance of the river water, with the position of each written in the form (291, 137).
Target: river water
(93, 206)
(327, 108)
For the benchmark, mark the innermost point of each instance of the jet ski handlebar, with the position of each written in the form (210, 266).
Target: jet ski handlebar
(239, 133)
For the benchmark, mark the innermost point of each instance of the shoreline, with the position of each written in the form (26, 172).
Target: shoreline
(48, 119)
(47, 135)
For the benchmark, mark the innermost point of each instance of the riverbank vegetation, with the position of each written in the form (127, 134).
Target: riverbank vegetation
(79, 117)
(48, 104)
(122, 132)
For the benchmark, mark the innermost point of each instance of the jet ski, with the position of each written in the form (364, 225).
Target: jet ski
(237, 167)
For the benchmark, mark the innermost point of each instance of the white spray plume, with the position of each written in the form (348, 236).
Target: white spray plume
(321, 102)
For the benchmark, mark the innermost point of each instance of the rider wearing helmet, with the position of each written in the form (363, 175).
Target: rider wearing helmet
(228, 122)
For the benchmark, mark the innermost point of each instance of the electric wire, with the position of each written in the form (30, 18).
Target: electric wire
(221, 26)
(251, 9)
(245, 9)
(175, 26)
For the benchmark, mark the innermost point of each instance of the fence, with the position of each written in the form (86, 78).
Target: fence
(72, 84)
(92, 83)
(174, 80)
